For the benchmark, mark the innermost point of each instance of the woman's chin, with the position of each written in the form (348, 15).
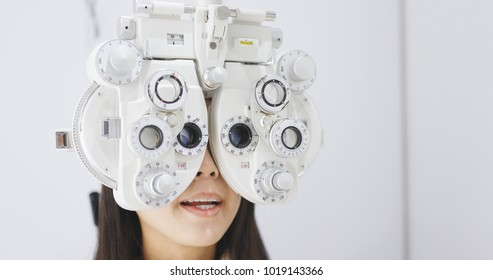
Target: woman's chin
(203, 236)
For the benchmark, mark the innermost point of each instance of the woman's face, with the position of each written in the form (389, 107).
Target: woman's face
(199, 217)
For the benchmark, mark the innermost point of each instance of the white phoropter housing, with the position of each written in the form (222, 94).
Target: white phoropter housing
(143, 126)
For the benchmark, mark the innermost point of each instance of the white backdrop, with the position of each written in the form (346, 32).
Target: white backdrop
(373, 193)
(450, 101)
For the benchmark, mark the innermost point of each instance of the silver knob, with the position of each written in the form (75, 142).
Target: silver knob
(222, 13)
(215, 77)
(167, 90)
(277, 181)
(303, 69)
(160, 184)
(123, 60)
(298, 68)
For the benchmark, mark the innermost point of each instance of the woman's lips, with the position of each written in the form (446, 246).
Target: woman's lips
(206, 206)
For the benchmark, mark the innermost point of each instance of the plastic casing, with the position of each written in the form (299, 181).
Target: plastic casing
(115, 164)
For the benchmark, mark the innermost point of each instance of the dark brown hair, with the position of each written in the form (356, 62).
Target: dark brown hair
(120, 235)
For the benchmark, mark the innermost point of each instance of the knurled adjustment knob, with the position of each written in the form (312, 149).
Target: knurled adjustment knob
(277, 181)
(298, 68)
(119, 62)
(160, 184)
(214, 77)
(123, 60)
(303, 69)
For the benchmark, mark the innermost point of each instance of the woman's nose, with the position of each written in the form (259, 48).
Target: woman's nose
(208, 169)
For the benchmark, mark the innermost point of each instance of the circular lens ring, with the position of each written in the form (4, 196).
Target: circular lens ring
(281, 85)
(197, 128)
(174, 81)
(277, 85)
(157, 132)
(240, 135)
(180, 88)
(230, 144)
(135, 132)
(280, 144)
(194, 134)
(299, 137)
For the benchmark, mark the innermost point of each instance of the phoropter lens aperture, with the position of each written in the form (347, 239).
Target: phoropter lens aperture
(190, 136)
(151, 137)
(168, 89)
(274, 93)
(240, 135)
(291, 137)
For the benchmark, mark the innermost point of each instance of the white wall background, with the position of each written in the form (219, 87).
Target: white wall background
(450, 102)
(405, 171)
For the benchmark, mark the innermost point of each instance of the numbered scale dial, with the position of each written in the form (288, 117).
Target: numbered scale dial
(273, 182)
(238, 136)
(167, 90)
(272, 93)
(156, 185)
(119, 62)
(150, 137)
(193, 138)
(298, 68)
(289, 137)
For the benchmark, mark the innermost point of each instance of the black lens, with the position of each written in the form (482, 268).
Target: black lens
(190, 136)
(291, 137)
(151, 137)
(240, 135)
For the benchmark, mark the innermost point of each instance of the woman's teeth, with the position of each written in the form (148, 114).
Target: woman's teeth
(204, 205)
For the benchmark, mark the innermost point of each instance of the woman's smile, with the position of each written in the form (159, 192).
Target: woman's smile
(203, 204)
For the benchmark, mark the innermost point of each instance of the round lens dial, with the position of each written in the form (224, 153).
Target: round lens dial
(167, 90)
(193, 138)
(150, 137)
(289, 137)
(190, 136)
(272, 94)
(238, 136)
